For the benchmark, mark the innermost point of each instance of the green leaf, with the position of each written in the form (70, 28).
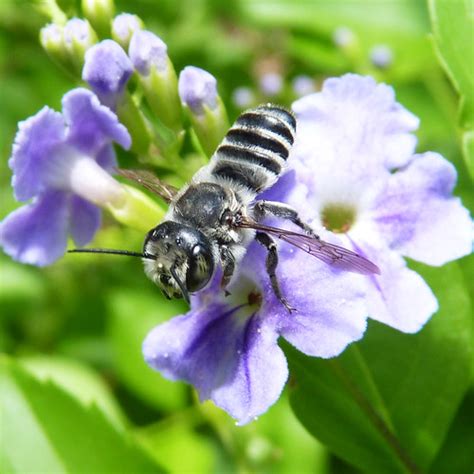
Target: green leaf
(168, 441)
(468, 150)
(20, 283)
(386, 403)
(453, 33)
(44, 429)
(132, 315)
(293, 449)
(455, 456)
(77, 379)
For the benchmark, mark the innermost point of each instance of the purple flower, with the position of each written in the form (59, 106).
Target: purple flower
(355, 153)
(107, 70)
(197, 88)
(354, 172)
(62, 162)
(227, 346)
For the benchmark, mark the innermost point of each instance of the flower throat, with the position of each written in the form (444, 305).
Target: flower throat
(338, 218)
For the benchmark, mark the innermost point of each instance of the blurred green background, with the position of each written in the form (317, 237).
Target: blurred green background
(81, 321)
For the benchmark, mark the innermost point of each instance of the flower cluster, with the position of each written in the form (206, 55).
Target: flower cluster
(64, 162)
(353, 174)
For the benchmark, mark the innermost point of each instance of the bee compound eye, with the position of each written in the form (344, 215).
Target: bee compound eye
(201, 267)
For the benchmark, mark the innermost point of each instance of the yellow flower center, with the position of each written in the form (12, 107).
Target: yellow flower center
(338, 218)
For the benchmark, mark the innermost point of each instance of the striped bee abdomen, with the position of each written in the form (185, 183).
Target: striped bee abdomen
(255, 149)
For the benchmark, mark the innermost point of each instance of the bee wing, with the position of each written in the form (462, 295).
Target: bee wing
(331, 254)
(149, 181)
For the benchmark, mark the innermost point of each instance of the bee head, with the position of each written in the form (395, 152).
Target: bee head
(182, 260)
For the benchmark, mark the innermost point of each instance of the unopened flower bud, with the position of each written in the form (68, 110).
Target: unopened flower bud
(123, 27)
(78, 38)
(50, 9)
(100, 14)
(198, 91)
(52, 40)
(157, 76)
(107, 70)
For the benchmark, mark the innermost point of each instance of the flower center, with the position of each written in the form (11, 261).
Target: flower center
(338, 218)
(69, 170)
(254, 299)
(246, 294)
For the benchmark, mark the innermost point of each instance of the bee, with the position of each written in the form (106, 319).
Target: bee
(212, 220)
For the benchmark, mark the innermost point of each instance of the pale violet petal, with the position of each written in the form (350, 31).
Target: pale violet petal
(398, 297)
(37, 233)
(106, 158)
(418, 215)
(355, 123)
(331, 311)
(91, 125)
(85, 220)
(231, 360)
(35, 142)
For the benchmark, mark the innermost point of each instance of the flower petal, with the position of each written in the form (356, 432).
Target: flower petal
(357, 124)
(91, 125)
(398, 297)
(35, 141)
(37, 233)
(106, 158)
(85, 220)
(418, 215)
(330, 307)
(234, 361)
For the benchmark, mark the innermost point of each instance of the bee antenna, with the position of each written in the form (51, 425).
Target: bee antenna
(183, 289)
(115, 252)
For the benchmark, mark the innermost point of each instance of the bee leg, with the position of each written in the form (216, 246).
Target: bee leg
(228, 267)
(271, 264)
(278, 209)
